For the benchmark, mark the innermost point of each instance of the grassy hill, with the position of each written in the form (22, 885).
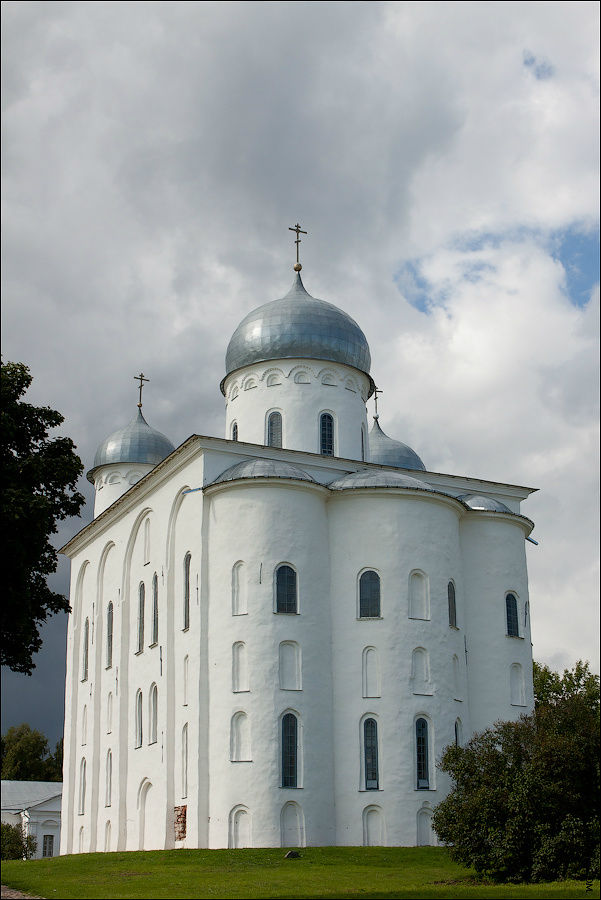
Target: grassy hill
(321, 872)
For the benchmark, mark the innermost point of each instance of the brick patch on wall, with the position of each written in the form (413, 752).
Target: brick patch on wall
(180, 822)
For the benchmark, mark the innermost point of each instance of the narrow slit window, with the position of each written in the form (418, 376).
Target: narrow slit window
(369, 595)
(286, 594)
(452, 604)
(326, 433)
(421, 754)
(274, 430)
(139, 719)
(235, 431)
(289, 750)
(155, 609)
(511, 608)
(186, 617)
(370, 749)
(109, 635)
(86, 650)
(141, 602)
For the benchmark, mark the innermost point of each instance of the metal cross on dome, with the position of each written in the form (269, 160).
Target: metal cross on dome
(299, 231)
(141, 378)
(376, 392)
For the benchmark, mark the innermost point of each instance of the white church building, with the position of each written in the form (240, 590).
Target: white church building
(275, 634)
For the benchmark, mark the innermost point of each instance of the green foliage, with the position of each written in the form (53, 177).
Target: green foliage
(38, 476)
(26, 756)
(525, 797)
(15, 844)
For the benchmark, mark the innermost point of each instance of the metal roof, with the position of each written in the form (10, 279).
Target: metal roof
(136, 443)
(487, 503)
(262, 468)
(380, 478)
(298, 326)
(386, 451)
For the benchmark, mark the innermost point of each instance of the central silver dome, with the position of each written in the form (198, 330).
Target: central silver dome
(298, 326)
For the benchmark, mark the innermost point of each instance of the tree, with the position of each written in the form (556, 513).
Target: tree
(38, 476)
(15, 844)
(524, 804)
(26, 756)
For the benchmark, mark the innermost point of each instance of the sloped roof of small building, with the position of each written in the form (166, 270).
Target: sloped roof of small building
(18, 795)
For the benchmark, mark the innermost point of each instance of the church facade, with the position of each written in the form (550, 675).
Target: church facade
(275, 634)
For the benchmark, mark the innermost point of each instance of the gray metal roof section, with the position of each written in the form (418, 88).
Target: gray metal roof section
(386, 451)
(486, 503)
(367, 479)
(18, 795)
(262, 468)
(298, 326)
(136, 443)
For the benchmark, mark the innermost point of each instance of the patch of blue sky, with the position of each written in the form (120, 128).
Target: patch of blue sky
(416, 289)
(578, 252)
(540, 68)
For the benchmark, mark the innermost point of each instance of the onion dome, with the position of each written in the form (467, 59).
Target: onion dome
(262, 468)
(136, 443)
(368, 478)
(486, 503)
(298, 326)
(386, 451)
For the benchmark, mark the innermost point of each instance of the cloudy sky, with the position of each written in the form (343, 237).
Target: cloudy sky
(442, 157)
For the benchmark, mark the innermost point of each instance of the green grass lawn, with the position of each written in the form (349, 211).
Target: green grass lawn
(344, 872)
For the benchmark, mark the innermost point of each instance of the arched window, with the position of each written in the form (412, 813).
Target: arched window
(147, 541)
(457, 686)
(274, 430)
(185, 681)
(109, 635)
(82, 786)
(511, 609)
(239, 601)
(371, 673)
(86, 650)
(185, 761)
(421, 755)
(240, 738)
(234, 430)
(420, 671)
(187, 560)
(452, 604)
(370, 754)
(109, 778)
(289, 750)
(285, 590)
(155, 610)
(290, 666)
(419, 606)
(517, 687)
(153, 714)
(141, 602)
(239, 667)
(139, 719)
(326, 434)
(369, 595)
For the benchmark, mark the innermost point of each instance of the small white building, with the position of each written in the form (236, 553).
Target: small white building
(36, 806)
(275, 634)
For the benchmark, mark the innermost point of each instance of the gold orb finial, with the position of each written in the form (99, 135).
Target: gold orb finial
(297, 267)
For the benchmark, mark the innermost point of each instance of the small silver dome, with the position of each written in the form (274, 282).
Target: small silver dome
(487, 503)
(136, 443)
(386, 451)
(368, 478)
(298, 326)
(262, 468)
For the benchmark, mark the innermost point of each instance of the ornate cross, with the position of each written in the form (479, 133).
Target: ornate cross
(376, 392)
(298, 230)
(141, 378)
